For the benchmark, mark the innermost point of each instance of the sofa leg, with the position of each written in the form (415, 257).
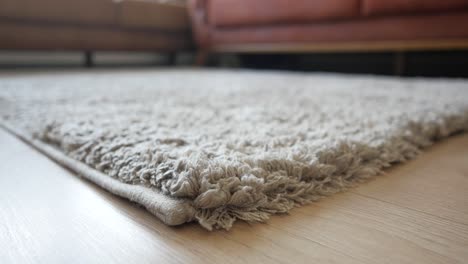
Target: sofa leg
(88, 59)
(201, 58)
(172, 58)
(399, 63)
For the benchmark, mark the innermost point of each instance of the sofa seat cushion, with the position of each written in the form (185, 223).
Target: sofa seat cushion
(401, 29)
(395, 7)
(151, 14)
(90, 12)
(262, 12)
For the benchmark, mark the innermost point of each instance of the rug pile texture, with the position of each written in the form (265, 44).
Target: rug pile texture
(216, 146)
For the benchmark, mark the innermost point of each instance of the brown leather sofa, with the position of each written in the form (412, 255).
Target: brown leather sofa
(94, 25)
(329, 25)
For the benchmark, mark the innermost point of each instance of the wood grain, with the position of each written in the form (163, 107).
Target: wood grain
(416, 213)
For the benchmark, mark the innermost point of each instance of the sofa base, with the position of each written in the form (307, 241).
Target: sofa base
(354, 46)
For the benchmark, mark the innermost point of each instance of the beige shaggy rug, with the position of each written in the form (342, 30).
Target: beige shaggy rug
(216, 146)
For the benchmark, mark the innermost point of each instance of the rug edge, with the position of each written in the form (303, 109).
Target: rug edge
(169, 210)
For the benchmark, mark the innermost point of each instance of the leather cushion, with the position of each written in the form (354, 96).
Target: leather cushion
(261, 12)
(395, 7)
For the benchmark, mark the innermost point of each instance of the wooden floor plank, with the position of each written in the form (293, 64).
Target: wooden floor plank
(416, 213)
(435, 183)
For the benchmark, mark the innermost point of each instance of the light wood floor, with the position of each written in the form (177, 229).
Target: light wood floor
(417, 213)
